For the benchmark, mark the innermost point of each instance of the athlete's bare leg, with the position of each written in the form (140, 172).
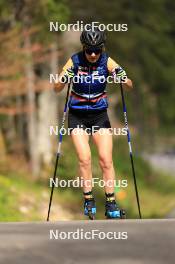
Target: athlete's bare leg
(104, 146)
(81, 143)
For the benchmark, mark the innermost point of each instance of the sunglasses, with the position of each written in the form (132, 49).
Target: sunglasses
(97, 51)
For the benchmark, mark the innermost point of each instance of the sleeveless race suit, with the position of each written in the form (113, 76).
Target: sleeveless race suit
(88, 93)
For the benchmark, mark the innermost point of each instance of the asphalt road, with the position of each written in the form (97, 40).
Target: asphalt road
(148, 241)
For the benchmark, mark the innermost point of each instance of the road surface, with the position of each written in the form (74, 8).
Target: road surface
(148, 241)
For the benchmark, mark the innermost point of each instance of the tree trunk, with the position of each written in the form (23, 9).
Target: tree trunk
(48, 107)
(32, 119)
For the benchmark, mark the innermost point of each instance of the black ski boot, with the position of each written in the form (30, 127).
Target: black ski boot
(89, 206)
(112, 211)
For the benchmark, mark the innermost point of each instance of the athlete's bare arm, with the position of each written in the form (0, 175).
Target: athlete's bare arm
(112, 65)
(59, 86)
(128, 84)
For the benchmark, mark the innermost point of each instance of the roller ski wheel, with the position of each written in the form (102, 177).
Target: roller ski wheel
(113, 212)
(91, 216)
(122, 214)
(90, 208)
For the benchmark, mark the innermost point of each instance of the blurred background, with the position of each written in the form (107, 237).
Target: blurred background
(29, 52)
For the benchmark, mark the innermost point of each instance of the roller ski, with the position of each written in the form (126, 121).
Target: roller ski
(90, 208)
(89, 205)
(112, 211)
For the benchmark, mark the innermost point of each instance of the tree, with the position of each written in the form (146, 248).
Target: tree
(31, 19)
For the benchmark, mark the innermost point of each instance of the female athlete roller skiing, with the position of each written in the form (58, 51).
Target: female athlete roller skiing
(88, 111)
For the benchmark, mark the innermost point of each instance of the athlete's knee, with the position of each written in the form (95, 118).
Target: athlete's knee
(106, 163)
(85, 161)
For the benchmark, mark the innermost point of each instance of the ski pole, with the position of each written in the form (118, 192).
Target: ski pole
(130, 148)
(59, 148)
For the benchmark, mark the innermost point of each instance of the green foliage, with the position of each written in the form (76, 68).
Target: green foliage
(21, 199)
(49, 11)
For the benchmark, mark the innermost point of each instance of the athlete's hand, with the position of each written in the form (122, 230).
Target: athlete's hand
(121, 74)
(69, 74)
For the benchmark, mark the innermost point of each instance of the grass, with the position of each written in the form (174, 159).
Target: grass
(19, 198)
(22, 199)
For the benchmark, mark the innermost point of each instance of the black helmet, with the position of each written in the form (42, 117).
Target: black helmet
(93, 38)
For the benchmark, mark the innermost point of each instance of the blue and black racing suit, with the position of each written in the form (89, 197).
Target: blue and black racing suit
(88, 91)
